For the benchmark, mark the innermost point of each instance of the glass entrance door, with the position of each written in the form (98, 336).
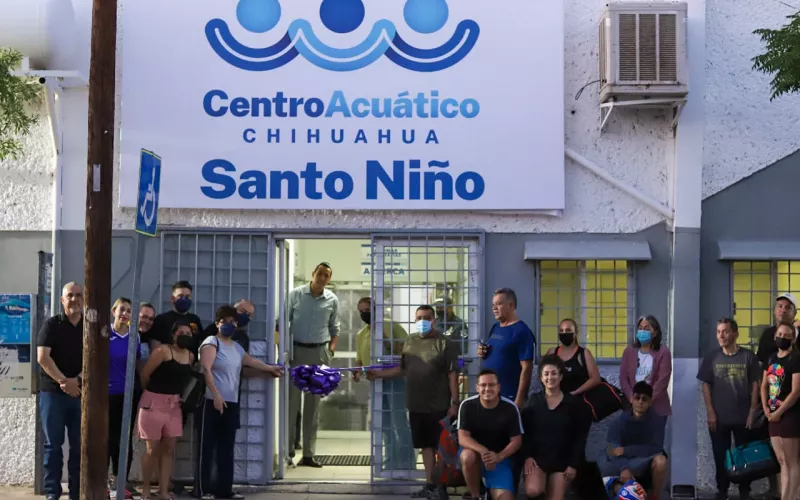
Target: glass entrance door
(408, 271)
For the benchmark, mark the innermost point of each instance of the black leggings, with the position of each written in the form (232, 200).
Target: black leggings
(115, 407)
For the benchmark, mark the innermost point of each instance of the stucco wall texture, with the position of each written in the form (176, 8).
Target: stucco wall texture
(745, 132)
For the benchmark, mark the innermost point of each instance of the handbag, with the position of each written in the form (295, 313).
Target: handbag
(604, 399)
(751, 462)
(193, 393)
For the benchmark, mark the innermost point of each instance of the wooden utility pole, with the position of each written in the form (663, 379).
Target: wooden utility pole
(97, 260)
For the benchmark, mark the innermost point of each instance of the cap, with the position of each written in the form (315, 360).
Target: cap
(788, 296)
(438, 302)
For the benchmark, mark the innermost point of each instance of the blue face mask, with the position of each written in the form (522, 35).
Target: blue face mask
(644, 336)
(183, 304)
(227, 329)
(242, 319)
(423, 326)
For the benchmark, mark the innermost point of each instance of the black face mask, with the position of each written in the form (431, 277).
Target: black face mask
(566, 338)
(783, 343)
(366, 316)
(184, 341)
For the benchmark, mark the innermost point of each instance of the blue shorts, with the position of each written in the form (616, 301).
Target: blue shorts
(501, 478)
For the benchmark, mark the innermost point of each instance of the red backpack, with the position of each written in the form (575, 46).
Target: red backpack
(448, 463)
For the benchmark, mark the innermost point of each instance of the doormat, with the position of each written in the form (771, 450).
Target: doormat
(344, 460)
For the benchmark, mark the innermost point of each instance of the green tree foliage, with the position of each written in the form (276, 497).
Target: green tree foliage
(782, 58)
(18, 96)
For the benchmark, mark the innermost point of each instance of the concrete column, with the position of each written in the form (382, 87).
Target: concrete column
(684, 324)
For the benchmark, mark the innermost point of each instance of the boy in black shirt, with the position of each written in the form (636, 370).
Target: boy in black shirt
(490, 433)
(160, 333)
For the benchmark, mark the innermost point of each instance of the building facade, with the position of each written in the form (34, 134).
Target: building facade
(678, 213)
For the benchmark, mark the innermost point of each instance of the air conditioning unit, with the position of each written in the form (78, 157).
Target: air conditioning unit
(643, 51)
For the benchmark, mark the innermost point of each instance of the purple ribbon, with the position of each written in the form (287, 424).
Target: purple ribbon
(321, 381)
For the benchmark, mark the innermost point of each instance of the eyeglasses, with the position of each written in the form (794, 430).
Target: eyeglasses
(487, 386)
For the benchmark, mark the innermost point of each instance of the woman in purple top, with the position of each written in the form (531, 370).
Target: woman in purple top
(118, 365)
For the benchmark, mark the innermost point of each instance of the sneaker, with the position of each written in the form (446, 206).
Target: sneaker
(425, 492)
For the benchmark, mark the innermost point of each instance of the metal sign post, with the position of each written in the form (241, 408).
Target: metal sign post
(147, 225)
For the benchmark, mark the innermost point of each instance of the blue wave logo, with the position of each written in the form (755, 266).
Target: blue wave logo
(342, 16)
(15, 307)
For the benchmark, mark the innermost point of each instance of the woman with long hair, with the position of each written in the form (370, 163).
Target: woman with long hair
(164, 377)
(556, 425)
(649, 361)
(780, 390)
(581, 373)
(117, 373)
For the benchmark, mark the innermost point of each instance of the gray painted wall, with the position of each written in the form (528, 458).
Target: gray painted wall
(506, 267)
(760, 207)
(755, 208)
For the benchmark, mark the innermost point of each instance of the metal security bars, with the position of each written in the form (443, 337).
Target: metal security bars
(600, 295)
(224, 268)
(408, 271)
(755, 285)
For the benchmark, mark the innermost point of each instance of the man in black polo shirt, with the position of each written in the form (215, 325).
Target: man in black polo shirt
(161, 333)
(60, 355)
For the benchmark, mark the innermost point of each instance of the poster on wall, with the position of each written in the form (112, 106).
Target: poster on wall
(346, 104)
(15, 345)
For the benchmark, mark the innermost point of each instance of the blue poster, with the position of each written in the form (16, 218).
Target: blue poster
(15, 319)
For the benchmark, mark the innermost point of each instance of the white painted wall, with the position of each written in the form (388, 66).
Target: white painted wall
(744, 133)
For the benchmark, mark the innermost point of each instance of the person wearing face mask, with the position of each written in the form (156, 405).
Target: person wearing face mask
(780, 391)
(580, 369)
(648, 361)
(398, 453)
(160, 423)
(222, 360)
(117, 373)
(160, 333)
(430, 365)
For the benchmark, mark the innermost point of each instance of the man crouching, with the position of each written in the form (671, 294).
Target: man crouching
(490, 433)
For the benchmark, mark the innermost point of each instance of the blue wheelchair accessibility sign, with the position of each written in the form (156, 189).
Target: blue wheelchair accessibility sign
(147, 200)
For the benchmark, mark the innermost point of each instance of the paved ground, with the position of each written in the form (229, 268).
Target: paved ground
(288, 492)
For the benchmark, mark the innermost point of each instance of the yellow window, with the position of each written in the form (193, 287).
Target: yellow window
(755, 286)
(597, 294)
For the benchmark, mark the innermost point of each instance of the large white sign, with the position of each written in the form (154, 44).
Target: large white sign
(346, 104)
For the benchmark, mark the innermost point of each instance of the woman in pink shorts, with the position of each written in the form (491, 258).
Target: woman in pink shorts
(164, 377)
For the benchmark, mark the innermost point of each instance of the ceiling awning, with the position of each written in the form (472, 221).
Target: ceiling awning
(563, 249)
(759, 250)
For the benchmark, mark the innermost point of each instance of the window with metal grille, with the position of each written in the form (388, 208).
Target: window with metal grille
(598, 294)
(755, 286)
